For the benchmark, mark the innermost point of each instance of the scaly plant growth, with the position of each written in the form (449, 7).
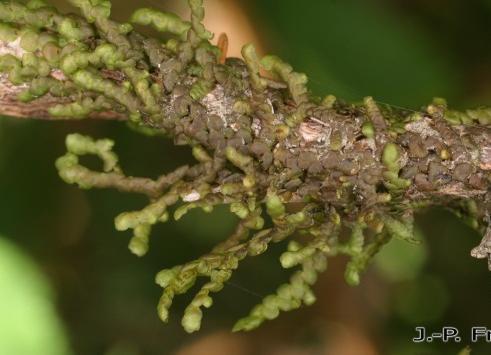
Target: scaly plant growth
(334, 178)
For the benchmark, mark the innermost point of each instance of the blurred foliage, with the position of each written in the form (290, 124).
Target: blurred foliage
(30, 325)
(401, 52)
(400, 261)
(346, 49)
(423, 301)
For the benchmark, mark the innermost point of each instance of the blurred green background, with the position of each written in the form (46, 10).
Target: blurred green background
(68, 284)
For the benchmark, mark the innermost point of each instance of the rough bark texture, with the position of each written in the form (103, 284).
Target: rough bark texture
(37, 109)
(320, 167)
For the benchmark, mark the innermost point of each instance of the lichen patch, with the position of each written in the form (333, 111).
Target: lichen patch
(218, 103)
(485, 163)
(423, 128)
(12, 48)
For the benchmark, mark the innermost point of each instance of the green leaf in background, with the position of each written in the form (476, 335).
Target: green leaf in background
(29, 324)
(401, 261)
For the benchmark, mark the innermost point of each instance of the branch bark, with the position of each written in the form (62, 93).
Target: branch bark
(440, 160)
(11, 106)
(315, 165)
(310, 132)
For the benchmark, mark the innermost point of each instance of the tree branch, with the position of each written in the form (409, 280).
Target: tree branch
(11, 106)
(262, 141)
(357, 156)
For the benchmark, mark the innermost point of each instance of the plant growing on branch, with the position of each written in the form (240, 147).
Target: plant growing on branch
(334, 178)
